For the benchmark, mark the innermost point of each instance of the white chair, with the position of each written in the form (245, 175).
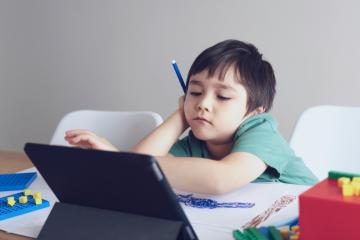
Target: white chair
(327, 138)
(122, 129)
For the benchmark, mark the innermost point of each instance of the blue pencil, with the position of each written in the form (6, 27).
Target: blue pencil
(178, 74)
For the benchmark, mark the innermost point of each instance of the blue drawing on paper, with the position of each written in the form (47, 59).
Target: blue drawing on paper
(191, 201)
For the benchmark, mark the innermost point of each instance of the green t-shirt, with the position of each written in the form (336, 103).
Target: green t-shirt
(258, 135)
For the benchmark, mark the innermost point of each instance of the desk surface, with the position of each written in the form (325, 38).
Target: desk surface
(11, 162)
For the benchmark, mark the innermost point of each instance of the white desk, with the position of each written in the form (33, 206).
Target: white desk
(208, 223)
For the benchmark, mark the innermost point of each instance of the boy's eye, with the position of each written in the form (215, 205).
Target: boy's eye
(222, 98)
(195, 93)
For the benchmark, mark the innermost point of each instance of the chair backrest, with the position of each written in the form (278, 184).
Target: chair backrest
(122, 129)
(327, 138)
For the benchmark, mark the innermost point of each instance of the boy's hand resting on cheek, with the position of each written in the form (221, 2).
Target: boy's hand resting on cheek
(182, 113)
(87, 139)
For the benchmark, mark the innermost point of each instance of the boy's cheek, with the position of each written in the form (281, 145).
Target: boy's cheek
(186, 104)
(187, 115)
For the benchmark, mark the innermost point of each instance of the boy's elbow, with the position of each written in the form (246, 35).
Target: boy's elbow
(218, 189)
(221, 186)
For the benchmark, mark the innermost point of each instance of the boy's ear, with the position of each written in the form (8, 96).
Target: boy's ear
(259, 110)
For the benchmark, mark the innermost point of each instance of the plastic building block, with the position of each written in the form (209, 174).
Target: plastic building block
(356, 188)
(18, 208)
(335, 175)
(343, 180)
(239, 235)
(356, 179)
(23, 199)
(274, 233)
(294, 237)
(349, 187)
(16, 181)
(295, 229)
(264, 231)
(284, 232)
(254, 234)
(348, 190)
(38, 201)
(37, 195)
(326, 214)
(27, 192)
(11, 201)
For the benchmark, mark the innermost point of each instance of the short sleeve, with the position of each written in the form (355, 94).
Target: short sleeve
(189, 146)
(260, 138)
(180, 148)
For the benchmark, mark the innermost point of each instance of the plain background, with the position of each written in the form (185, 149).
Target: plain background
(65, 55)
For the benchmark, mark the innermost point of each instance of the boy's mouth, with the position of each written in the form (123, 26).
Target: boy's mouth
(201, 119)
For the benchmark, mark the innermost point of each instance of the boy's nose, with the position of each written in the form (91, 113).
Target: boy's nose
(205, 104)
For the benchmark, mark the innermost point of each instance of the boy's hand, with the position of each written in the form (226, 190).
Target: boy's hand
(181, 102)
(182, 113)
(87, 139)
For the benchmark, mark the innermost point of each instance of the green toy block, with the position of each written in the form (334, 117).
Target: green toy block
(336, 175)
(254, 234)
(274, 233)
(239, 235)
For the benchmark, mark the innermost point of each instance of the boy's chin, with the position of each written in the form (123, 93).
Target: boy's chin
(207, 136)
(201, 135)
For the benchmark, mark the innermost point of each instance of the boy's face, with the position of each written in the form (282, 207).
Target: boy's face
(213, 108)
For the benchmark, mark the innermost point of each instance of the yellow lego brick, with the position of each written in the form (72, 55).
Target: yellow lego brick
(347, 190)
(37, 195)
(11, 201)
(356, 188)
(294, 237)
(38, 201)
(284, 233)
(343, 180)
(27, 192)
(356, 180)
(23, 199)
(295, 229)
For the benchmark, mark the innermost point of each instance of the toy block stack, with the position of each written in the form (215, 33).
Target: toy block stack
(268, 233)
(19, 203)
(329, 210)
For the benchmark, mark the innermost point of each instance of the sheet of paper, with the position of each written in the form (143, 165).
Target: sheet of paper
(262, 194)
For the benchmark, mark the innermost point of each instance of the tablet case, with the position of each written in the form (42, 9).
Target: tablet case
(117, 181)
(68, 221)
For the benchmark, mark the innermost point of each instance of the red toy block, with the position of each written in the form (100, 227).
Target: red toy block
(326, 214)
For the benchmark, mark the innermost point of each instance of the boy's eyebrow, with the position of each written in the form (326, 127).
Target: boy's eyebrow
(195, 82)
(217, 85)
(223, 86)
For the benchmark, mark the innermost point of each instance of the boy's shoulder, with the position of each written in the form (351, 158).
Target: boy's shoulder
(259, 121)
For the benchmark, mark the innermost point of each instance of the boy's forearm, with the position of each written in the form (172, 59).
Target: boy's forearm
(160, 140)
(189, 174)
(204, 175)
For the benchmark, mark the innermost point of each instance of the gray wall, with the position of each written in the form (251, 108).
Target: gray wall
(59, 56)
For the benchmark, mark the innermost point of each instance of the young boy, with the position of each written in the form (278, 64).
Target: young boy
(232, 141)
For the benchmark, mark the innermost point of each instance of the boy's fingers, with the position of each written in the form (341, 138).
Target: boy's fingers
(78, 131)
(83, 141)
(181, 100)
(78, 139)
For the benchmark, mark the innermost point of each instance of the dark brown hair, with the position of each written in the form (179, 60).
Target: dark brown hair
(255, 74)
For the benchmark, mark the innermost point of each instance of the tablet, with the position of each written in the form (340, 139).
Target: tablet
(120, 181)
